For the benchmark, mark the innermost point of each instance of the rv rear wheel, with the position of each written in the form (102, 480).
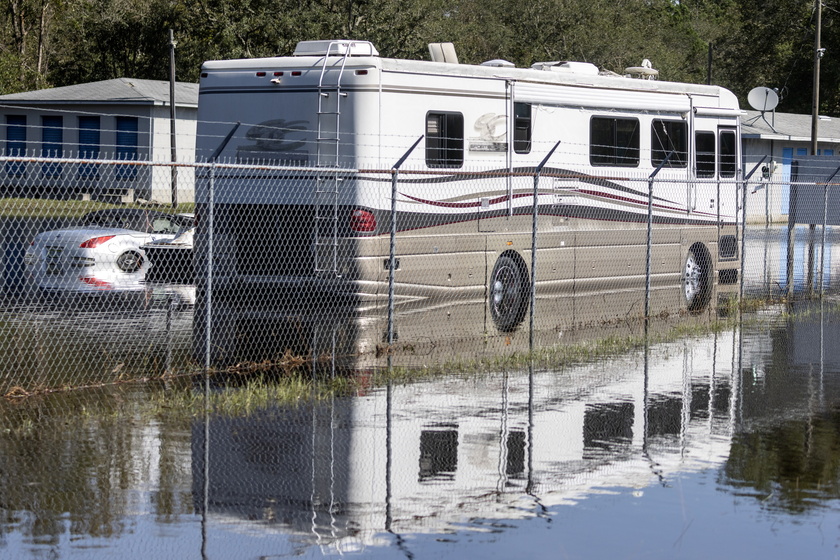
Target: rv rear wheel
(696, 278)
(509, 289)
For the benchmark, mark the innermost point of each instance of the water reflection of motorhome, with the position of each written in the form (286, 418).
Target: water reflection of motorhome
(419, 458)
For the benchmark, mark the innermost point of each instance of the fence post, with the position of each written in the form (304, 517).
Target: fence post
(393, 244)
(208, 283)
(824, 223)
(809, 275)
(744, 225)
(170, 308)
(534, 212)
(791, 233)
(649, 242)
(208, 286)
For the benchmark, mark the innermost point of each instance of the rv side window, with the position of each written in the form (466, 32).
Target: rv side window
(669, 137)
(444, 139)
(614, 142)
(704, 144)
(522, 128)
(728, 161)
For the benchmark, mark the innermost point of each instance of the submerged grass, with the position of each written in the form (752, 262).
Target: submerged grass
(250, 394)
(300, 387)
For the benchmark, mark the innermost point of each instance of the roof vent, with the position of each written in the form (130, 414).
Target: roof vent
(335, 48)
(646, 71)
(499, 63)
(443, 52)
(567, 66)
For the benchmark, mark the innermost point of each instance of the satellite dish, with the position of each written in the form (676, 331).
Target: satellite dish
(763, 99)
(646, 71)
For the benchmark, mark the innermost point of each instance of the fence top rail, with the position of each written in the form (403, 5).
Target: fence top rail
(673, 177)
(96, 161)
(190, 164)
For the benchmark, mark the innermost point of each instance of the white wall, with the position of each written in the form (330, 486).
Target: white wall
(162, 152)
(767, 199)
(153, 144)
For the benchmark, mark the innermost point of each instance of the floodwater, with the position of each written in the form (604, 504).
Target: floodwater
(723, 445)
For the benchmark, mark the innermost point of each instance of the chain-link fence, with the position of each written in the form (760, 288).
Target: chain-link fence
(276, 266)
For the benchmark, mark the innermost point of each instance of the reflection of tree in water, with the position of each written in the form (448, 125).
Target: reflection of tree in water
(794, 466)
(72, 463)
(787, 455)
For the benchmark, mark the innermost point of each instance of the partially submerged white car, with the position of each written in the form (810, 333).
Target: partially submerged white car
(103, 254)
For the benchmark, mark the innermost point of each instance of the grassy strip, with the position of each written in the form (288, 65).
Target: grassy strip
(49, 208)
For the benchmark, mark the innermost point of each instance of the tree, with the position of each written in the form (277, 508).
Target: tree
(103, 39)
(755, 42)
(25, 34)
(771, 41)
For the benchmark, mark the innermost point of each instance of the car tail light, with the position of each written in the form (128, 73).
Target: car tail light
(96, 282)
(362, 221)
(95, 242)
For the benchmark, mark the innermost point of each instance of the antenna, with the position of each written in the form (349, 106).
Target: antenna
(763, 99)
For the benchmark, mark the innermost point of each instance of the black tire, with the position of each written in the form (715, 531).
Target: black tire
(696, 278)
(509, 292)
(130, 261)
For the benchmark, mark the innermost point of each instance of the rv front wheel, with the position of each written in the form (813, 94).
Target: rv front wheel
(696, 278)
(509, 288)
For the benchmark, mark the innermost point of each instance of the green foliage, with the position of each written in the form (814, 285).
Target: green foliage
(772, 46)
(113, 38)
(754, 42)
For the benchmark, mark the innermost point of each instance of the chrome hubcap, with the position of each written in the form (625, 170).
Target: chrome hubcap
(504, 290)
(691, 278)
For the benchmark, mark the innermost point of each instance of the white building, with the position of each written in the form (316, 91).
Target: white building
(123, 119)
(782, 137)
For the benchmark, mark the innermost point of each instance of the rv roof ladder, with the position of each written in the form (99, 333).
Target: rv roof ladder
(328, 182)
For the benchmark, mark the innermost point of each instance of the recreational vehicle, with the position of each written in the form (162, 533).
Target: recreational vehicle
(340, 179)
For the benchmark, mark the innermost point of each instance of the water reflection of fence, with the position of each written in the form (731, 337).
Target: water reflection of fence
(603, 265)
(435, 456)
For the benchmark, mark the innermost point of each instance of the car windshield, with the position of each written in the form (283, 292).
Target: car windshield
(137, 220)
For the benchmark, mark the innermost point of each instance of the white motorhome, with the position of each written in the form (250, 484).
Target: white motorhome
(302, 188)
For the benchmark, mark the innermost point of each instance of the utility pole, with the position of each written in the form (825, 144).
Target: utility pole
(815, 105)
(709, 66)
(815, 129)
(172, 132)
